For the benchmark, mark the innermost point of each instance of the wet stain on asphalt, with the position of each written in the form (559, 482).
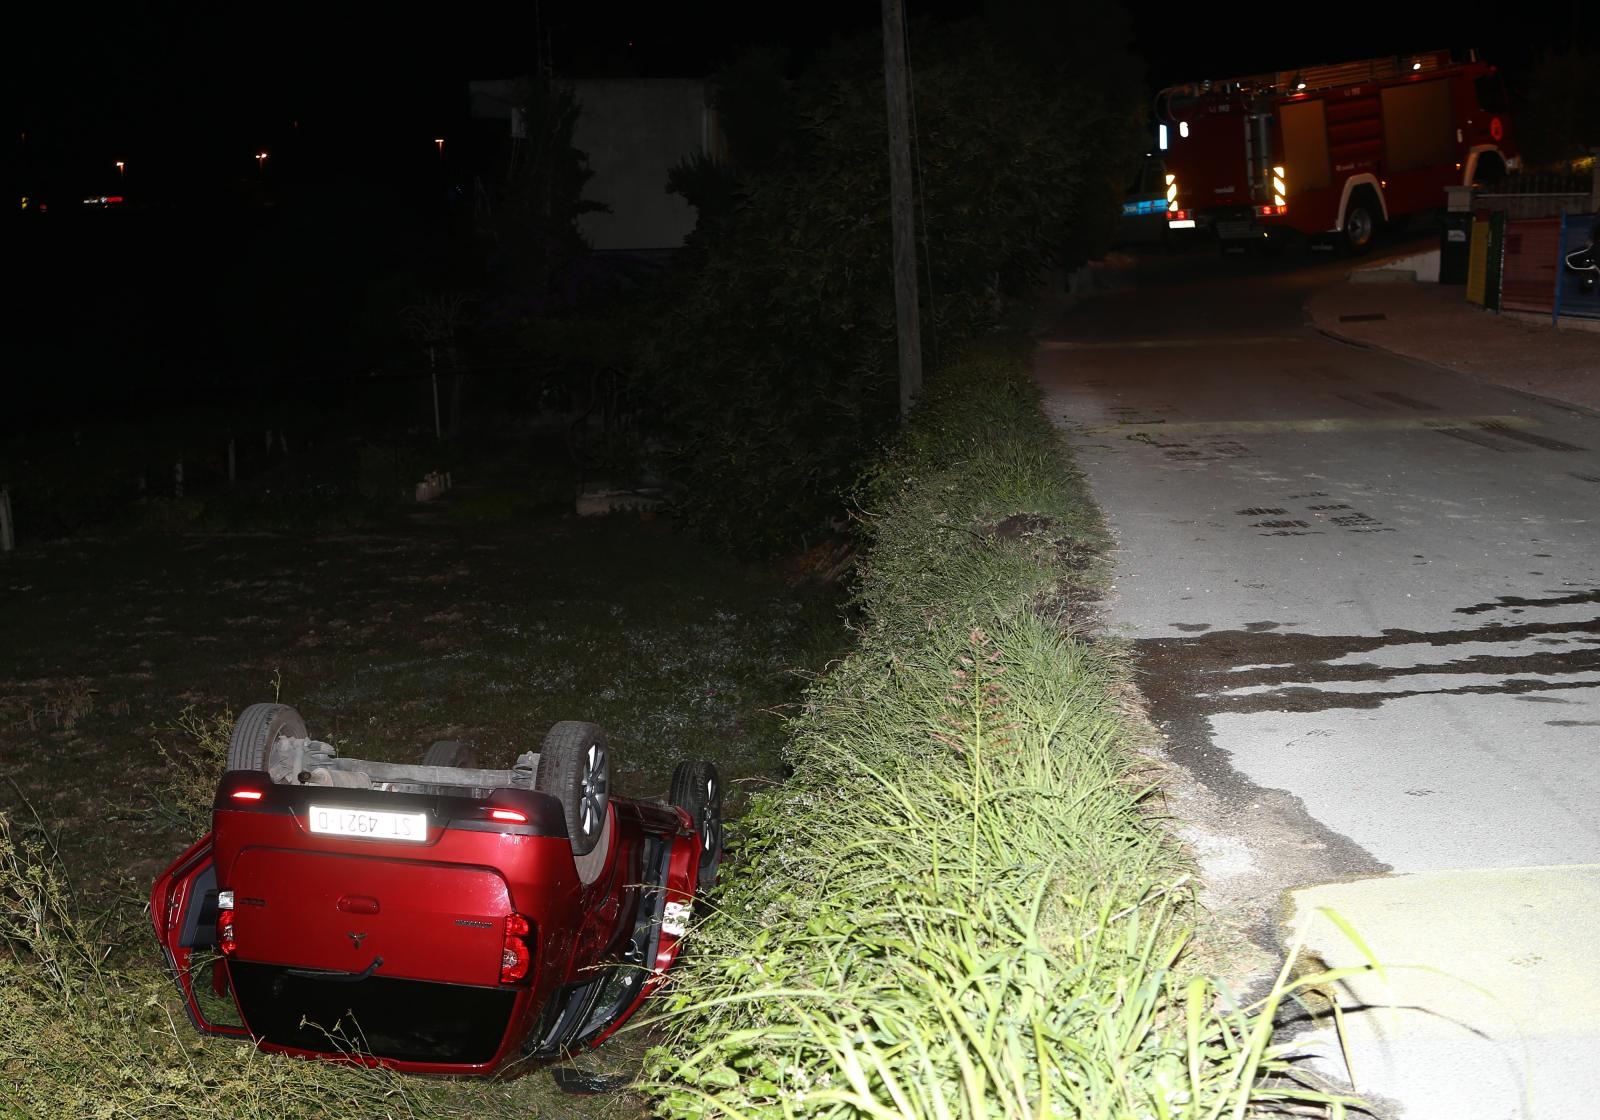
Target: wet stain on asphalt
(1479, 437)
(1204, 671)
(1533, 439)
(1407, 402)
(1358, 400)
(1187, 680)
(1503, 601)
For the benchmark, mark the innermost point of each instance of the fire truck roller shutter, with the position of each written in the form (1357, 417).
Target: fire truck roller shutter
(1418, 126)
(1305, 145)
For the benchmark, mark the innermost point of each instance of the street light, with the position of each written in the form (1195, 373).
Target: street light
(261, 160)
(121, 169)
(440, 141)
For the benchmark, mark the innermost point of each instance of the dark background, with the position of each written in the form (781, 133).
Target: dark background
(217, 269)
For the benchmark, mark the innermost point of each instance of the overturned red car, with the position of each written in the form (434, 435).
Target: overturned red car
(434, 918)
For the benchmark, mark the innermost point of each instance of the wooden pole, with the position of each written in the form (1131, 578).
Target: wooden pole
(908, 327)
(433, 372)
(8, 534)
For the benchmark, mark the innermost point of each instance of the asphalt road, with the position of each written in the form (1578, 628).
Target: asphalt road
(1364, 594)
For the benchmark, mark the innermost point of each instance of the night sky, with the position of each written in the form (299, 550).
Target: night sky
(242, 265)
(183, 89)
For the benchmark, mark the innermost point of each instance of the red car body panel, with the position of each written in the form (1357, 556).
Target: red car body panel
(392, 950)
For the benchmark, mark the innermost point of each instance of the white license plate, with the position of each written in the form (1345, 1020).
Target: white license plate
(369, 824)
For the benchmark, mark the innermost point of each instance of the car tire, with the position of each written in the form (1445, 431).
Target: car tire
(257, 728)
(697, 790)
(451, 752)
(575, 766)
(1361, 220)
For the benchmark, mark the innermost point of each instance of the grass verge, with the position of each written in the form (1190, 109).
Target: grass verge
(445, 625)
(959, 905)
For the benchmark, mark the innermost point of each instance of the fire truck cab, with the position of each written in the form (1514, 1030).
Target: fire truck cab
(1334, 149)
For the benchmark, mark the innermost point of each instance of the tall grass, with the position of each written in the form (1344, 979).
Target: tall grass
(961, 905)
(80, 1036)
(90, 1026)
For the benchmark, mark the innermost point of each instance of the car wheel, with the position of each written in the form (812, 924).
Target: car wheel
(1361, 219)
(575, 766)
(451, 752)
(257, 728)
(697, 790)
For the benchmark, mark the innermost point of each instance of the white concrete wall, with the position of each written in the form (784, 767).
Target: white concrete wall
(1423, 267)
(633, 131)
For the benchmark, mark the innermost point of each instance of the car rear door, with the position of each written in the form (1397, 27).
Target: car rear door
(183, 909)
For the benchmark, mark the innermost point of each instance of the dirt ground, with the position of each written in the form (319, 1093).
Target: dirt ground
(438, 626)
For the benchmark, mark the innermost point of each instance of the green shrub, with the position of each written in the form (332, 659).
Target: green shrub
(960, 904)
(773, 358)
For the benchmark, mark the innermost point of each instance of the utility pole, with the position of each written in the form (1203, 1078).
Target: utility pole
(908, 327)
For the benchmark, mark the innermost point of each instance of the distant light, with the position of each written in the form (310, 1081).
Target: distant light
(1163, 138)
(1416, 65)
(1183, 128)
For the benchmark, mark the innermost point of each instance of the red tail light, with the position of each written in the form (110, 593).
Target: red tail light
(510, 816)
(515, 956)
(247, 795)
(225, 936)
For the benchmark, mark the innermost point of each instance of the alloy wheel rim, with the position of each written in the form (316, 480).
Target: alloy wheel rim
(593, 785)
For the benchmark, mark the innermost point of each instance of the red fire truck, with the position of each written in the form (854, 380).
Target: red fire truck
(1336, 149)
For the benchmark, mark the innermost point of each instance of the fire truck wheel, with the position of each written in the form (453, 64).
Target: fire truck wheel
(1490, 170)
(575, 766)
(257, 728)
(1361, 219)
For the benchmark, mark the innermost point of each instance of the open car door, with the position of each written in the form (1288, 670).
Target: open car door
(183, 908)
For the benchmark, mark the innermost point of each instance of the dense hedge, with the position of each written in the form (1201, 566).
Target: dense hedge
(958, 905)
(772, 362)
